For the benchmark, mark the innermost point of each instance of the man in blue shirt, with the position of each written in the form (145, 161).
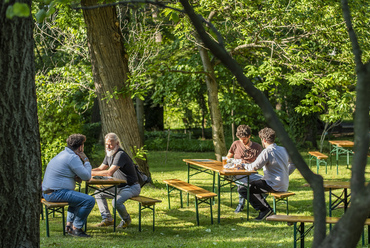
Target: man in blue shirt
(276, 166)
(61, 174)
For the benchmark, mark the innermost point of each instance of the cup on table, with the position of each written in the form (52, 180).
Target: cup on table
(224, 159)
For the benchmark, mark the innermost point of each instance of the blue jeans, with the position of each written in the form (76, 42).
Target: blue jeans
(123, 194)
(80, 204)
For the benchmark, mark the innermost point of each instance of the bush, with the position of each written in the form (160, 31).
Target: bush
(157, 141)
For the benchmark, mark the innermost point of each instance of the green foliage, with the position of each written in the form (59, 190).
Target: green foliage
(157, 141)
(140, 153)
(64, 84)
(18, 9)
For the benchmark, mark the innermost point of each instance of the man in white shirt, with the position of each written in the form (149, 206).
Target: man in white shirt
(276, 166)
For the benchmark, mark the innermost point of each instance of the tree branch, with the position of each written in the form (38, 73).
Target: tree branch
(352, 35)
(316, 181)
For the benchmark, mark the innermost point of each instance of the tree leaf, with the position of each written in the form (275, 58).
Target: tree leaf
(40, 15)
(21, 10)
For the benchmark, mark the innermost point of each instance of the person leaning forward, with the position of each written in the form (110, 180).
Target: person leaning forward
(247, 151)
(276, 166)
(119, 165)
(61, 175)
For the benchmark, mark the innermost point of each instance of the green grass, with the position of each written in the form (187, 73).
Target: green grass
(177, 227)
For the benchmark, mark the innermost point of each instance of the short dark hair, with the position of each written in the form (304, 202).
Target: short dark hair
(267, 134)
(76, 140)
(243, 131)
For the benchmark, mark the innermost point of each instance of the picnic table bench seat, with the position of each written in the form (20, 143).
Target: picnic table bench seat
(281, 196)
(320, 159)
(146, 203)
(52, 208)
(201, 195)
(294, 219)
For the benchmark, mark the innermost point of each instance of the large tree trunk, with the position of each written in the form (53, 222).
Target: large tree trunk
(110, 69)
(216, 117)
(140, 116)
(20, 170)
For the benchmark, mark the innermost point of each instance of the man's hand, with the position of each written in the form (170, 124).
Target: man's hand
(83, 156)
(77, 179)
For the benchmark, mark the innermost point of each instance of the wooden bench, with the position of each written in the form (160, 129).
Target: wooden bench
(320, 159)
(52, 208)
(281, 196)
(145, 203)
(291, 219)
(201, 195)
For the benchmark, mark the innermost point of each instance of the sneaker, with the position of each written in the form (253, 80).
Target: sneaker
(264, 214)
(79, 233)
(239, 208)
(105, 222)
(124, 223)
(68, 229)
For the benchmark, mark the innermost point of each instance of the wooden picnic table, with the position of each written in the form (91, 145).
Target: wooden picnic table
(341, 147)
(224, 177)
(108, 183)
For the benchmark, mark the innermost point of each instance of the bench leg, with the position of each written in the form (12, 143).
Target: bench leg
(210, 206)
(181, 199)
(196, 210)
(153, 217)
(295, 235)
(274, 204)
(139, 216)
(300, 230)
(63, 222)
(47, 221)
(317, 165)
(287, 206)
(168, 196)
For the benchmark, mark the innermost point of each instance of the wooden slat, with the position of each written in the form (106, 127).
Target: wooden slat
(309, 219)
(53, 204)
(342, 143)
(318, 155)
(189, 188)
(145, 200)
(281, 194)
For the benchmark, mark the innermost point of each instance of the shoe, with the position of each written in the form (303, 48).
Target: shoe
(239, 208)
(79, 233)
(105, 222)
(124, 223)
(68, 229)
(264, 214)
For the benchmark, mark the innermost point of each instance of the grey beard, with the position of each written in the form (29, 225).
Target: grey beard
(110, 153)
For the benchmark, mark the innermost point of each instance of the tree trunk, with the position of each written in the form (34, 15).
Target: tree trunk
(212, 90)
(140, 116)
(110, 69)
(20, 170)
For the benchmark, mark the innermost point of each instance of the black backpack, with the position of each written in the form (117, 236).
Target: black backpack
(142, 178)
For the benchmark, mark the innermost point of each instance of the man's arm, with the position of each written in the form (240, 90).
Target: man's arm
(103, 170)
(230, 155)
(81, 170)
(261, 161)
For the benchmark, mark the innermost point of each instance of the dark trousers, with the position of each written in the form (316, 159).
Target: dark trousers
(256, 199)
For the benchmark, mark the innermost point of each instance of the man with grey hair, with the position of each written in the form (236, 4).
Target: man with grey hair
(276, 166)
(117, 163)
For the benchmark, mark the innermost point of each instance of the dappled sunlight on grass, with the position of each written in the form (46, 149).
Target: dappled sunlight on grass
(176, 227)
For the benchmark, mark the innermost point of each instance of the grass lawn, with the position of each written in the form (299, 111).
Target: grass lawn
(177, 227)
